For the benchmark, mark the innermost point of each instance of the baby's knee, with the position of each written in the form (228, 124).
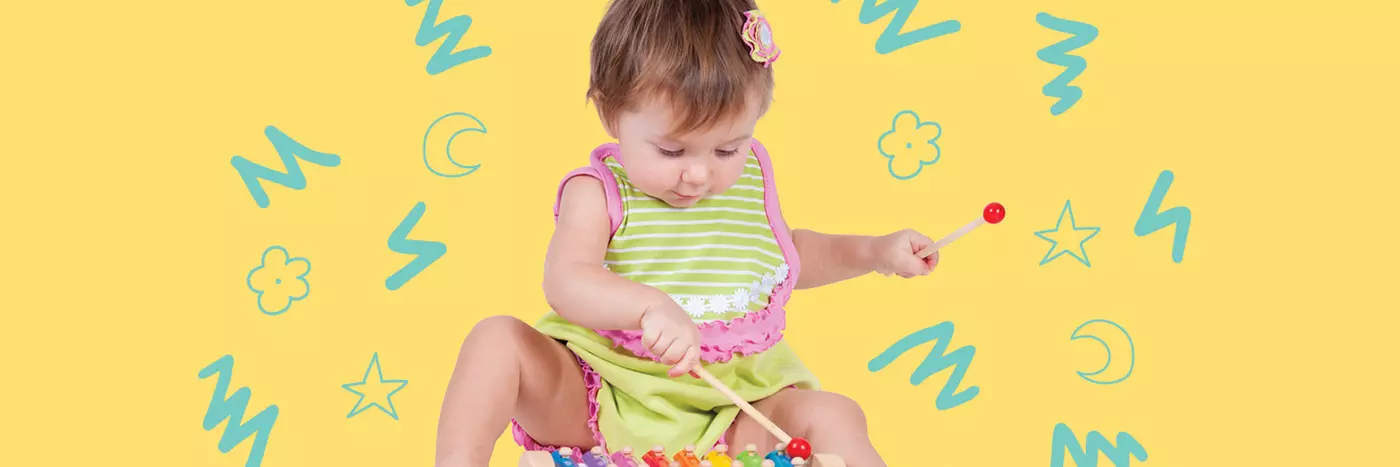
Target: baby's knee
(834, 407)
(498, 333)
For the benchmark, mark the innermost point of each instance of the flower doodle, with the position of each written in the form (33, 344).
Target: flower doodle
(910, 144)
(279, 280)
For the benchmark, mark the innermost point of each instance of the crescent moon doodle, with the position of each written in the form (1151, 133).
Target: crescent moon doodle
(475, 126)
(1092, 329)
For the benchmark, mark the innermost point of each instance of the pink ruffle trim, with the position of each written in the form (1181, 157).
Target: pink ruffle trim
(722, 340)
(592, 381)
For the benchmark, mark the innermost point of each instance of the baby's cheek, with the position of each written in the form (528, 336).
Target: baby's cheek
(652, 182)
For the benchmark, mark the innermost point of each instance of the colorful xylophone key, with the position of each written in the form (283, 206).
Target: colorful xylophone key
(656, 457)
(595, 457)
(779, 456)
(564, 457)
(624, 458)
(718, 457)
(687, 458)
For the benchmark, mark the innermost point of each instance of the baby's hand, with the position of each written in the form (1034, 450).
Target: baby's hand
(896, 254)
(671, 335)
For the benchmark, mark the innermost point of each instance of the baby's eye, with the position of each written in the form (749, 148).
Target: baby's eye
(726, 152)
(670, 153)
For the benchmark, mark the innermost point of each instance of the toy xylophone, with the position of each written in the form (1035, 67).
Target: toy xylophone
(789, 452)
(780, 456)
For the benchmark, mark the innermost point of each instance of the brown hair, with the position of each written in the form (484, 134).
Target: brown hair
(688, 52)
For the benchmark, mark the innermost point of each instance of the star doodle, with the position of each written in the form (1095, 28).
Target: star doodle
(381, 389)
(1060, 235)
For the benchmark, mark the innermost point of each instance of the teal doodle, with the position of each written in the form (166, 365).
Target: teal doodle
(427, 252)
(894, 37)
(279, 280)
(1082, 256)
(910, 138)
(1058, 54)
(232, 409)
(376, 370)
(455, 29)
(1151, 220)
(466, 169)
(1092, 376)
(938, 359)
(1087, 455)
(290, 151)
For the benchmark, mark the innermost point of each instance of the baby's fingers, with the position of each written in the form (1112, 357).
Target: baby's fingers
(650, 336)
(687, 362)
(664, 346)
(675, 353)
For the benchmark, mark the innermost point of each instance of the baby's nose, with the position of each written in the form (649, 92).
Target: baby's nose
(695, 175)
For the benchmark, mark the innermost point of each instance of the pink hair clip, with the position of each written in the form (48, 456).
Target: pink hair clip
(758, 34)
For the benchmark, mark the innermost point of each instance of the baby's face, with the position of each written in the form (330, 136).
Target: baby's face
(682, 169)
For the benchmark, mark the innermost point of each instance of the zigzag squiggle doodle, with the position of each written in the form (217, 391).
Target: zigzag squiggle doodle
(293, 178)
(937, 360)
(1058, 54)
(232, 409)
(455, 29)
(1152, 221)
(893, 39)
(1087, 455)
(427, 252)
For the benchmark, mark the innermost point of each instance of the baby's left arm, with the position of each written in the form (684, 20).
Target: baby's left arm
(831, 258)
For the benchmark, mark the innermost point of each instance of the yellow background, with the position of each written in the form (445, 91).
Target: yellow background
(129, 234)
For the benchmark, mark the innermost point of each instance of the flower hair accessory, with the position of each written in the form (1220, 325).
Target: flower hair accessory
(759, 36)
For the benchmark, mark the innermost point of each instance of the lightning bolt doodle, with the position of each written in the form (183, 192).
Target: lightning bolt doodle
(937, 360)
(1058, 54)
(1151, 220)
(1087, 455)
(427, 252)
(892, 38)
(293, 178)
(455, 29)
(232, 409)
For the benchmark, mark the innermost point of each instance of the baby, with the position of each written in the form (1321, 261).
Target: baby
(669, 251)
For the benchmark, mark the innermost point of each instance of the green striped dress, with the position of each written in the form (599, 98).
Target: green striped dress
(730, 263)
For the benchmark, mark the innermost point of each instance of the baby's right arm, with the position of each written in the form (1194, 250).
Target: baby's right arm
(576, 285)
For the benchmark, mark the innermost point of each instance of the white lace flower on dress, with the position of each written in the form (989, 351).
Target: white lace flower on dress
(740, 299)
(736, 302)
(719, 304)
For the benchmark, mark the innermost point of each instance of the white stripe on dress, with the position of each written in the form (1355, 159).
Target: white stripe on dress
(691, 271)
(712, 209)
(766, 238)
(697, 222)
(717, 259)
(697, 247)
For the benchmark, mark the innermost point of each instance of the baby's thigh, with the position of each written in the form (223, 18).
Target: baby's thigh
(551, 399)
(798, 412)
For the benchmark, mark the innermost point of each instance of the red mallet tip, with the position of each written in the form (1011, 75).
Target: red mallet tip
(799, 447)
(994, 213)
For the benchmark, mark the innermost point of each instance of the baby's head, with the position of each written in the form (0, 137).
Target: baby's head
(676, 84)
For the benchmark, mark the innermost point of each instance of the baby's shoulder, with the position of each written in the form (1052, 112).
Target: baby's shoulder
(591, 188)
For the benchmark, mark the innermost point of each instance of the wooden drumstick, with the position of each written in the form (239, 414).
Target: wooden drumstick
(992, 214)
(743, 405)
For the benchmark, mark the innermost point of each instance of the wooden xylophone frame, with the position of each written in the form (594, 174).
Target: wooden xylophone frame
(545, 459)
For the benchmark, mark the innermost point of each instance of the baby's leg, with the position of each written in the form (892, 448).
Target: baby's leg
(508, 369)
(833, 423)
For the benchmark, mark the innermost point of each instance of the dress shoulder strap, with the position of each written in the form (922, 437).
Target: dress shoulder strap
(776, 220)
(596, 168)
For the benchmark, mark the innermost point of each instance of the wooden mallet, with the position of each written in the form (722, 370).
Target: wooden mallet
(796, 447)
(992, 214)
